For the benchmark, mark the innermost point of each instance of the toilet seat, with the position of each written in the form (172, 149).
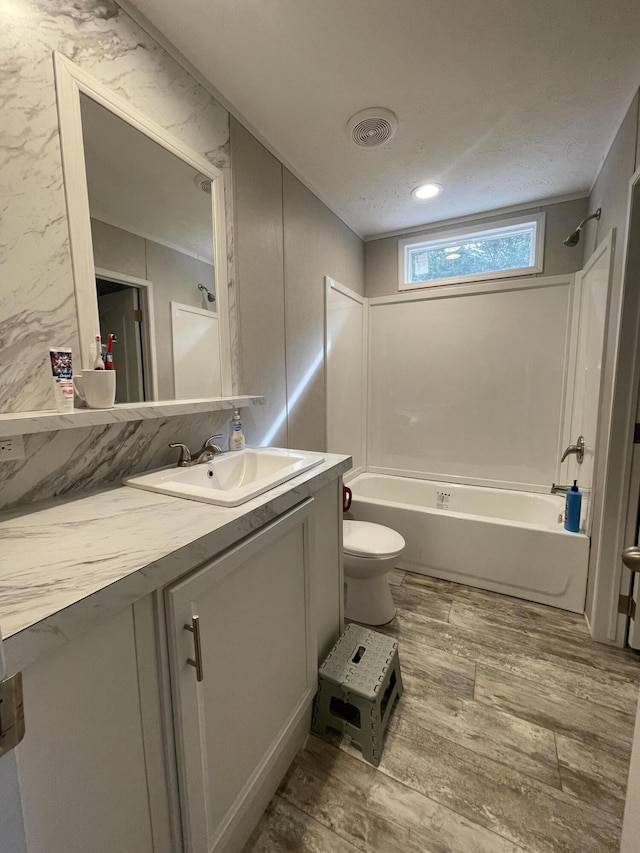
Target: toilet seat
(365, 539)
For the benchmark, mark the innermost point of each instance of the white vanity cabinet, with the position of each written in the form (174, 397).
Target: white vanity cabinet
(238, 728)
(127, 752)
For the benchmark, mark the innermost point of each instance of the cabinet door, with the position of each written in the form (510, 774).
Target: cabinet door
(82, 765)
(258, 679)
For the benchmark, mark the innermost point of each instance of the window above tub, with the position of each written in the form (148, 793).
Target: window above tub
(510, 247)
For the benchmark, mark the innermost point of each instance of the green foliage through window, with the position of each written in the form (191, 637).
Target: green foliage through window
(494, 251)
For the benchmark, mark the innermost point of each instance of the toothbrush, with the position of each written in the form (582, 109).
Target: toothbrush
(98, 364)
(109, 357)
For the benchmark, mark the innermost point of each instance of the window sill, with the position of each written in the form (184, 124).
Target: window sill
(470, 279)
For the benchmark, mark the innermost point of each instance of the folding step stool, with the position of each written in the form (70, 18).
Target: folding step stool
(358, 685)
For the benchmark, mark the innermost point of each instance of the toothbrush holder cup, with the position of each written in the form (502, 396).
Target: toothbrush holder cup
(96, 387)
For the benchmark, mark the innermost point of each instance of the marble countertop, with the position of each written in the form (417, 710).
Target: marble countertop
(66, 563)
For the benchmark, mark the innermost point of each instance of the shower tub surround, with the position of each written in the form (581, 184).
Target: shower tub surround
(496, 539)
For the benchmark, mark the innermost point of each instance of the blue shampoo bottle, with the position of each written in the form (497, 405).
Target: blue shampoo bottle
(572, 509)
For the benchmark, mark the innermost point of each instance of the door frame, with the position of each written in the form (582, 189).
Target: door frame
(618, 503)
(145, 289)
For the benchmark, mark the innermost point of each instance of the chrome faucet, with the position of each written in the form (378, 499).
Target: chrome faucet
(208, 450)
(205, 454)
(578, 448)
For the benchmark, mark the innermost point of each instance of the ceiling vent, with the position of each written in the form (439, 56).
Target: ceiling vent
(203, 182)
(372, 127)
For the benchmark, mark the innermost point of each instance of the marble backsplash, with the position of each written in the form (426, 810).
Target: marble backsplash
(66, 462)
(37, 300)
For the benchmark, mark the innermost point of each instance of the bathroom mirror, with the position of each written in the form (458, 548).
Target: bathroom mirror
(148, 238)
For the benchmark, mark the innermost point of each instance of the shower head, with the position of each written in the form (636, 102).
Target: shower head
(210, 296)
(574, 238)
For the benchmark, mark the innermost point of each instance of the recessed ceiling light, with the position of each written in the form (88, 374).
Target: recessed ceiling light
(452, 249)
(453, 257)
(427, 191)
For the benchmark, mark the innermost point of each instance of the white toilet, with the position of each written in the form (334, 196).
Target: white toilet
(370, 552)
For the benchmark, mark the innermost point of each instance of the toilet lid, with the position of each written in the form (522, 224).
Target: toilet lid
(364, 539)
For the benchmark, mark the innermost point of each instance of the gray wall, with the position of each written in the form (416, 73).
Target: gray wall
(316, 244)
(611, 188)
(381, 256)
(260, 266)
(611, 193)
(287, 241)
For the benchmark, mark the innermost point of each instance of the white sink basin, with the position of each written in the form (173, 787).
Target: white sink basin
(230, 479)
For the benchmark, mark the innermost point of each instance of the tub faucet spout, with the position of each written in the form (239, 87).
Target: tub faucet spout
(559, 490)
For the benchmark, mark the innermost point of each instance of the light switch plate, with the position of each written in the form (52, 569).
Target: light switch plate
(11, 447)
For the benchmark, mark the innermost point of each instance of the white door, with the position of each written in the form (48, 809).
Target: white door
(592, 287)
(195, 336)
(12, 838)
(631, 825)
(243, 674)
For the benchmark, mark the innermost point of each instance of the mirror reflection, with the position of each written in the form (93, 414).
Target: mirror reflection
(153, 250)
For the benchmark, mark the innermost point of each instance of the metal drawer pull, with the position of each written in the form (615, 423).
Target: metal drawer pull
(197, 645)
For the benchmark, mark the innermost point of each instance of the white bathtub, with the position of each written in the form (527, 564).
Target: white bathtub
(505, 541)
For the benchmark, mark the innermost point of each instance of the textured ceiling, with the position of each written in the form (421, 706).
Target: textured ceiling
(502, 101)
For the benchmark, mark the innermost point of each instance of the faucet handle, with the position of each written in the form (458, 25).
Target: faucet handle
(185, 455)
(578, 448)
(213, 438)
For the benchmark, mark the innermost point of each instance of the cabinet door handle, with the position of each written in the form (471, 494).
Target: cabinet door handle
(197, 646)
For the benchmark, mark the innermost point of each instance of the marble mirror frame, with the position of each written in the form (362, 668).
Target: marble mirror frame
(71, 81)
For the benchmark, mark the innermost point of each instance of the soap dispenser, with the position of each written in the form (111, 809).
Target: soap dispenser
(236, 441)
(572, 508)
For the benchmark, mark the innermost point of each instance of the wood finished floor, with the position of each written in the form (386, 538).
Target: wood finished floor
(513, 734)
